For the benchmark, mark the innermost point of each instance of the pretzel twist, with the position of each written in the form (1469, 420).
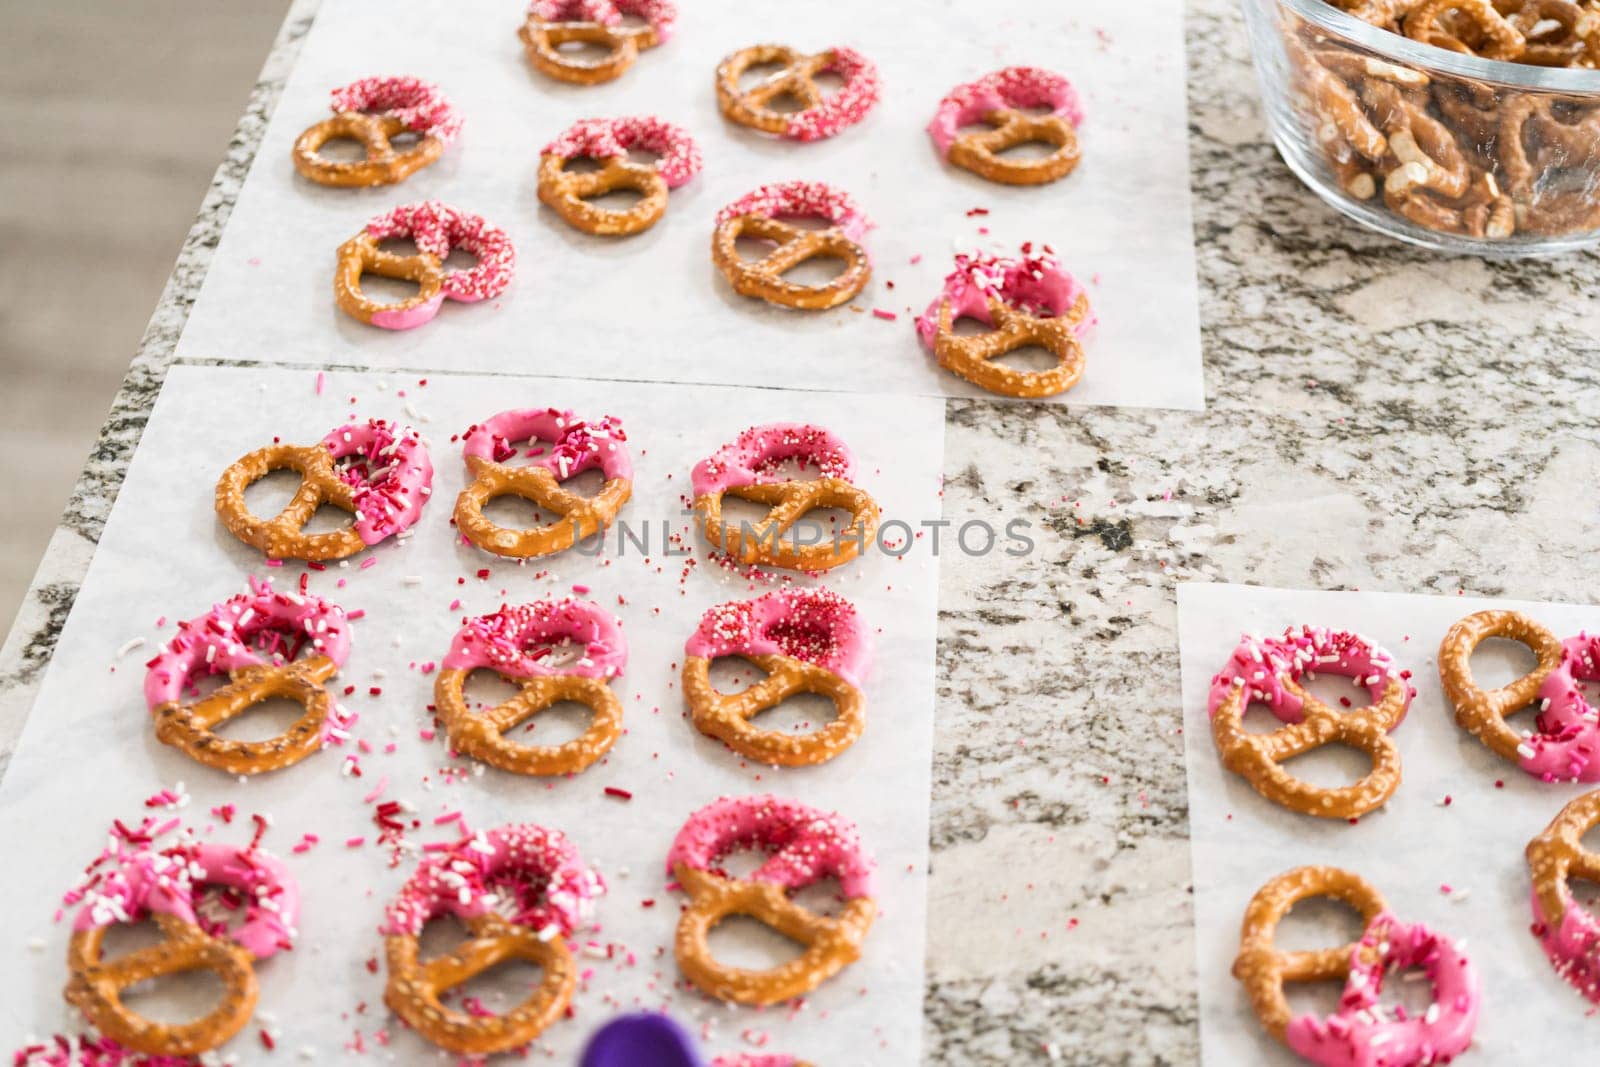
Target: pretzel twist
(437, 229)
(1569, 931)
(972, 357)
(483, 735)
(283, 536)
(361, 255)
(820, 114)
(1566, 745)
(767, 541)
(553, 23)
(96, 987)
(191, 727)
(372, 111)
(416, 987)
(1002, 100)
(727, 717)
(1487, 33)
(1264, 969)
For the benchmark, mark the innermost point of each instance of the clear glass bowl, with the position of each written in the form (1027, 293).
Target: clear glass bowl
(1446, 150)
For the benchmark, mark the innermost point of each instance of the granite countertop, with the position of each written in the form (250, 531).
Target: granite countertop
(1378, 417)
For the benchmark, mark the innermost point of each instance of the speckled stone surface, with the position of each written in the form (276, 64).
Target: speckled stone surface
(1379, 418)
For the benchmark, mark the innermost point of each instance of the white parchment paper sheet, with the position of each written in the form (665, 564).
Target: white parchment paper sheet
(1409, 850)
(653, 306)
(88, 753)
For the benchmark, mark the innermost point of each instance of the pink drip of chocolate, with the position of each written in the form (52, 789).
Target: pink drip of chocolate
(803, 845)
(439, 229)
(753, 458)
(389, 470)
(517, 641)
(532, 876)
(1259, 666)
(815, 625)
(1030, 282)
(816, 200)
(416, 103)
(680, 157)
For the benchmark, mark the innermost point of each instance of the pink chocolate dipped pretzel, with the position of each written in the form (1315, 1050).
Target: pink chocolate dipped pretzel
(749, 469)
(437, 229)
(1363, 1033)
(1004, 100)
(562, 446)
(521, 891)
(821, 114)
(1566, 927)
(571, 194)
(372, 111)
(380, 473)
(520, 644)
(1566, 747)
(552, 24)
(803, 846)
(134, 880)
(761, 214)
(807, 641)
(1269, 671)
(1025, 300)
(256, 639)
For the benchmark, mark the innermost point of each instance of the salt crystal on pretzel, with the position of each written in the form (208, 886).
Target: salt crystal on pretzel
(531, 876)
(602, 139)
(259, 628)
(509, 640)
(418, 104)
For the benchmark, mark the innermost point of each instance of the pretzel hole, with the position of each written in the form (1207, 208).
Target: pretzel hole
(343, 150)
(563, 721)
(382, 289)
(1497, 662)
(740, 941)
(1027, 151)
(328, 518)
(816, 271)
(1336, 691)
(791, 469)
(803, 713)
(499, 989)
(1313, 924)
(756, 73)
(512, 512)
(584, 53)
(822, 897)
(172, 999)
(484, 689)
(271, 493)
(1331, 766)
(1586, 893)
(405, 140)
(621, 200)
(633, 22)
(732, 675)
(261, 721)
(1259, 719)
(1029, 359)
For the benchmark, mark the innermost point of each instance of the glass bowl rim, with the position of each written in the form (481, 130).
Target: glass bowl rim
(1402, 49)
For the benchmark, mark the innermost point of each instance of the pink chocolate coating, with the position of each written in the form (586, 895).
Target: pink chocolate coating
(660, 14)
(815, 625)
(1572, 945)
(754, 1059)
(1013, 87)
(1363, 1033)
(1032, 283)
(439, 229)
(611, 138)
(133, 880)
(417, 103)
(803, 845)
(571, 447)
(1261, 664)
(530, 875)
(249, 629)
(513, 640)
(755, 454)
(392, 475)
(1566, 746)
(816, 200)
(843, 109)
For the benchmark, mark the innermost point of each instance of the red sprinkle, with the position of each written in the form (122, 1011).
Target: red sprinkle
(623, 794)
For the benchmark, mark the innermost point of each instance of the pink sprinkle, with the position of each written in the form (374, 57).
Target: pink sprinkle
(916, 259)
(882, 314)
(449, 816)
(354, 842)
(357, 613)
(370, 561)
(1445, 889)
(376, 791)
(425, 733)
(454, 604)
(321, 380)
(581, 590)
(274, 562)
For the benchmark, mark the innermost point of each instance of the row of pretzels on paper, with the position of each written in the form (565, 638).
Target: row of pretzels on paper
(1455, 155)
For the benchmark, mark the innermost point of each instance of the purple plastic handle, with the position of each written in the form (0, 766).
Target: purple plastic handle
(644, 1040)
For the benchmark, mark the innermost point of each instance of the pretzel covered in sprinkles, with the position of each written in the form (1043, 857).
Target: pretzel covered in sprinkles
(807, 641)
(378, 472)
(761, 213)
(521, 891)
(256, 639)
(803, 846)
(1003, 100)
(437, 230)
(561, 446)
(518, 644)
(1024, 300)
(553, 23)
(135, 880)
(372, 111)
(1269, 671)
(608, 141)
(821, 114)
(748, 468)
